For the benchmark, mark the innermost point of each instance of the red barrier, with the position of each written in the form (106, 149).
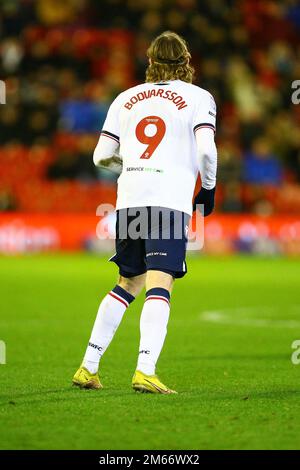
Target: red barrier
(23, 232)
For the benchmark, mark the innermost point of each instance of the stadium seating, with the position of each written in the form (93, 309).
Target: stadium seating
(61, 74)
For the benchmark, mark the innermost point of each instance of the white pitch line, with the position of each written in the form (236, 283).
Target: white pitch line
(236, 317)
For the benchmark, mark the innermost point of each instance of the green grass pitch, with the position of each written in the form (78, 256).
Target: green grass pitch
(227, 353)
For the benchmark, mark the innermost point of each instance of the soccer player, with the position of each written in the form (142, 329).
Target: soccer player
(162, 132)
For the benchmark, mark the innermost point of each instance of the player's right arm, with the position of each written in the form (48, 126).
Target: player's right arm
(106, 151)
(204, 129)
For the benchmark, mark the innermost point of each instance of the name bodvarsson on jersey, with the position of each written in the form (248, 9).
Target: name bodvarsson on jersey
(165, 94)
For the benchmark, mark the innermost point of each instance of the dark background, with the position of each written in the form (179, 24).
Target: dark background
(63, 62)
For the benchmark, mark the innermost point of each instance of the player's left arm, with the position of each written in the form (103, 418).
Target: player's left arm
(204, 130)
(106, 151)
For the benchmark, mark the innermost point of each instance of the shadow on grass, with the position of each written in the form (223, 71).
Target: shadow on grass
(74, 394)
(245, 395)
(237, 357)
(47, 396)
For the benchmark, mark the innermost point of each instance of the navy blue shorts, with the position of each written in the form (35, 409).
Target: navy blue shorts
(151, 238)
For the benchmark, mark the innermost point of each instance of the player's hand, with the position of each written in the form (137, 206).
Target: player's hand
(113, 163)
(207, 198)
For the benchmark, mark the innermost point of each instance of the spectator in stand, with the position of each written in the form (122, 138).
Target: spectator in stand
(261, 166)
(64, 61)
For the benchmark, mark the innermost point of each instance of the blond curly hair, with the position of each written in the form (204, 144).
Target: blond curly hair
(169, 59)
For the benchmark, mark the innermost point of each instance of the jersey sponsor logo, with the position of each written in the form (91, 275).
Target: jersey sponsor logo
(146, 170)
(154, 93)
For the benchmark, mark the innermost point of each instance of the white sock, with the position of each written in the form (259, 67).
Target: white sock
(110, 314)
(153, 328)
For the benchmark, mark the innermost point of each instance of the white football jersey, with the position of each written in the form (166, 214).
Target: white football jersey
(155, 125)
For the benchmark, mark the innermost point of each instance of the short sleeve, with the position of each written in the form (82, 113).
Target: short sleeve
(111, 126)
(205, 112)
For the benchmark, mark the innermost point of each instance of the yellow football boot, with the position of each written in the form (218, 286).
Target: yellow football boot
(84, 379)
(149, 384)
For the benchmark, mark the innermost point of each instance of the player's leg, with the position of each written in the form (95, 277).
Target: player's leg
(154, 319)
(165, 258)
(109, 316)
(129, 258)
(153, 330)
(133, 285)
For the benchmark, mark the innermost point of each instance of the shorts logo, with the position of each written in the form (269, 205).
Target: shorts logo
(144, 351)
(156, 253)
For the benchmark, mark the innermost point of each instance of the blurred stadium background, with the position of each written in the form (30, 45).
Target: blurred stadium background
(63, 62)
(234, 318)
